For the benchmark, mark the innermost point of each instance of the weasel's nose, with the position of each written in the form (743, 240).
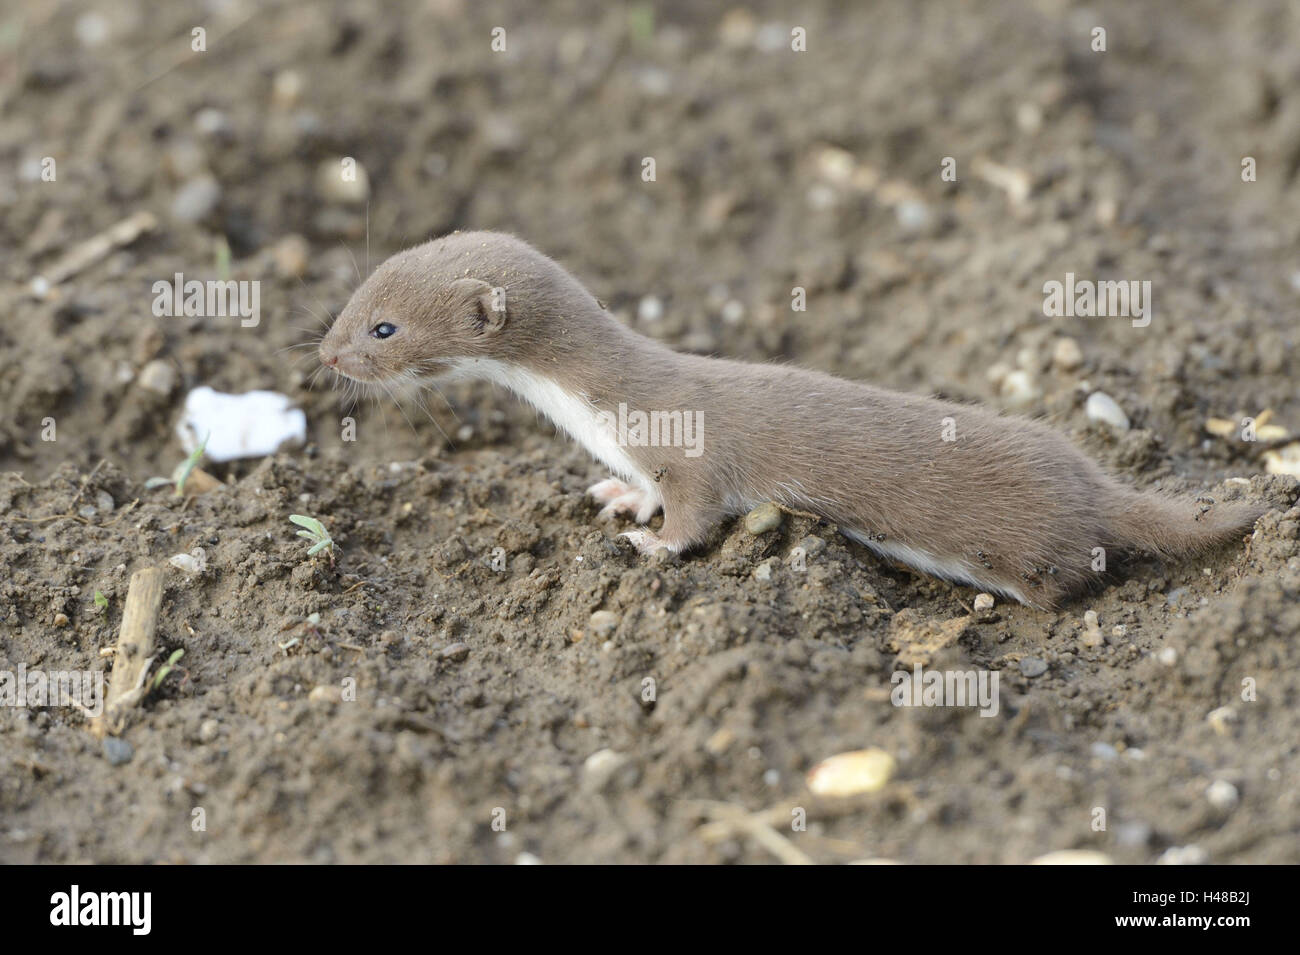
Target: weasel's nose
(329, 361)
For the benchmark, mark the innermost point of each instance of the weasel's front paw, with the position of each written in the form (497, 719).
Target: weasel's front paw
(619, 497)
(648, 542)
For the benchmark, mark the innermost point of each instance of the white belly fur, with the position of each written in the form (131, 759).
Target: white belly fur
(573, 414)
(947, 569)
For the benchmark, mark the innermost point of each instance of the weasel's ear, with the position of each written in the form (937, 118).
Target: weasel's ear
(487, 305)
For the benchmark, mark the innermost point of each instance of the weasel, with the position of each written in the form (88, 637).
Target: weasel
(956, 491)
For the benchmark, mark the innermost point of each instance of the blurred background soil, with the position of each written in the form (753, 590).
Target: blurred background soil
(518, 693)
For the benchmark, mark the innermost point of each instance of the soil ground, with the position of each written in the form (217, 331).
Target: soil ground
(482, 694)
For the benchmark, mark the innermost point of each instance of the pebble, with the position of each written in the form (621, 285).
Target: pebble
(1222, 795)
(766, 517)
(1018, 387)
(847, 774)
(1183, 855)
(1133, 834)
(912, 214)
(454, 651)
(1284, 460)
(603, 623)
(1221, 719)
(334, 188)
(117, 751)
(1033, 666)
(209, 730)
(286, 89)
(1104, 751)
(196, 199)
(211, 122)
(983, 603)
(1066, 354)
(158, 376)
(326, 694)
(1092, 635)
(1103, 408)
(650, 309)
(1073, 857)
(1168, 656)
(291, 256)
(764, 570)
(60, 619)
(92, 29)
(189, 563)
(602, 767)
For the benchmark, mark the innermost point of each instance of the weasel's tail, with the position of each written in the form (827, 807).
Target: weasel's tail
(1177, 526)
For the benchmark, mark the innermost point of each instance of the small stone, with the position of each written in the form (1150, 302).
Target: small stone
(1102, 408)
(1104, 751)
(720, 741)
(60, 619)
(1167, 656)
(1222, 795)
(1033, 666)
(1133, 834)
(1092, 635)
(326, 694)
(291, 255)
(604, 767)
(764, 570)
(527, 858)
(209, 730)
(1073, 857)
(1066, 354)
(1221, 719)
(813, 545)
(92, 29)
(104, 501)
(650, 309)
(1220, 427)
(454, 651)
(1018, 388)
(1183, 855)
(737, 28)
(286, 88)
(343, 180)
(847, 774)
(117, 751)
(1283, 460)
(764, 518)
(158, 376)
(188, 563)
(1029, 117)
(983, 603)
(603, 623)
(211, 122)
(196, 199)
(912, 214)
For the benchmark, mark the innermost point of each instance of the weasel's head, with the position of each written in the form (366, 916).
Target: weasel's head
(418, 315)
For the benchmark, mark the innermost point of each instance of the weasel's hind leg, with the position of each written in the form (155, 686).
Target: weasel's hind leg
(619, 497)
(683, 528)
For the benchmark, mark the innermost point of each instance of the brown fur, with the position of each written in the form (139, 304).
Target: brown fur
(1009, 505)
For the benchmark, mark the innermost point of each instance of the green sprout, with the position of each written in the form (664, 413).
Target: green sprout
(316, 533)
(101, 601)
(183, 470)
(167, 668)
(221, 255)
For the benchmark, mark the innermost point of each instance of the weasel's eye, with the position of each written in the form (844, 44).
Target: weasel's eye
(382, 330)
